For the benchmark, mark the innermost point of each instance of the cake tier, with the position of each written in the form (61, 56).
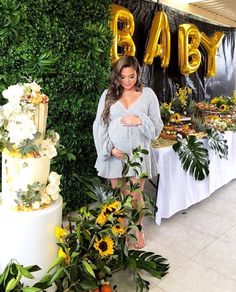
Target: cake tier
(18, 173)
(29, 237)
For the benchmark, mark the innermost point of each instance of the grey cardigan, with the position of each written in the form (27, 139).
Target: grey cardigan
(126, 138)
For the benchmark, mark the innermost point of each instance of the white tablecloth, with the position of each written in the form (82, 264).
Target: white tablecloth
(177, 190)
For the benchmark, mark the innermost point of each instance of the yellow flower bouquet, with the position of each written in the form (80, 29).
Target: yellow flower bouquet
(94, 244)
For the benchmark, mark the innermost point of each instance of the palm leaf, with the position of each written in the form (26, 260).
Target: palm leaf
(193, 156)
(150, 262)
(141, 284)
(217, 143)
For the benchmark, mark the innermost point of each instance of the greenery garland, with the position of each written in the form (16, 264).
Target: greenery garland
(65, 46)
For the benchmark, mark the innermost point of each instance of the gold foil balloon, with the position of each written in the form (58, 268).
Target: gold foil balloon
(189, 57)
(159, 40)
(122, 26)
(211, 44)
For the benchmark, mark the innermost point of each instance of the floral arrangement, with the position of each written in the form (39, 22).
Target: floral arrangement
(224, 102)
(182, 103)
(166, 112)
(97, 241)
(39, 195)
(18, 130)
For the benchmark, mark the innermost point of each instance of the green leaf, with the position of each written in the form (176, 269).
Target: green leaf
(11, 284)
(144, 151)
(87, 285)
(57, 275)
(25, 272)
(14, 281)
(150, 262)
(31, 289)
(193, 156)
(5, 274)
(56, 262)
(217, 143)
(33, 268)
(88, 269)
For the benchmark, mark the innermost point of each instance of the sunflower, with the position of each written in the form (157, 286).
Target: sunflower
(224, 108)
(118, 229)
(106, 211)
(215, 100)
(65, 256)
(102, 218)
(115, 206)
(177, 117)
(104, 246)
(60, 233)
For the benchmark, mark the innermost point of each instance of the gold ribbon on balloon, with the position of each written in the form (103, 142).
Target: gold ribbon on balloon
(159, 40)
(122, 37)
(211, 44)
(189, 57)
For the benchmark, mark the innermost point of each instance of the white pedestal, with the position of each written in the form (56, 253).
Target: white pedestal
(29, 237)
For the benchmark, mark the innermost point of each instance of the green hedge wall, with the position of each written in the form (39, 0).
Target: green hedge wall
(64, 45)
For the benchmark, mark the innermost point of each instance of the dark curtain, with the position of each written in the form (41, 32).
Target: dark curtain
(163, 82)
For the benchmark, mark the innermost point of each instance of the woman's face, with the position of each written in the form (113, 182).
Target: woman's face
(128, 77)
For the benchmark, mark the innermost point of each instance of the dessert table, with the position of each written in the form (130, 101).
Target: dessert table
(177, 189)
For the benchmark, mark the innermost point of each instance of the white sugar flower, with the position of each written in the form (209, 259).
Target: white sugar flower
(52, 189)
(13, 93)
(21, 128)
(35, 87)
(36, 205)
(45, 199)
(10, 109)
(53, 136)
(55, 196)
(48, 149)
(54, 178)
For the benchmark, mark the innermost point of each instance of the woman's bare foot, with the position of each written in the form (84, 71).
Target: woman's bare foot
(140, 240)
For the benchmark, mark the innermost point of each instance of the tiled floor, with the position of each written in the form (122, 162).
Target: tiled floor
(200, 245)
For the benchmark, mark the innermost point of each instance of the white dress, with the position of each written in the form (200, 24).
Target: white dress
(127, 138)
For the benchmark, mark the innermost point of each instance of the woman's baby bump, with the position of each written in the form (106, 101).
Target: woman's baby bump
(124, 138)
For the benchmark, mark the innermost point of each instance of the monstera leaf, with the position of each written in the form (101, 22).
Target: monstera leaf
(193, 156)
(150, 262)
(217, 143)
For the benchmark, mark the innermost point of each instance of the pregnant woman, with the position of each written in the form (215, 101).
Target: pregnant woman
(128, 116)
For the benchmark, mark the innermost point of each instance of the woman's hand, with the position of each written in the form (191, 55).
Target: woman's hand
(117, 153)
(131, 120)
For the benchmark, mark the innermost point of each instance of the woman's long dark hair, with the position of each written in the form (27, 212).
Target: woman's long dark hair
(115, 89)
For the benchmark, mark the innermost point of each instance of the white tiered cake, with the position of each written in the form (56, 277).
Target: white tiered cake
(31, 206)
